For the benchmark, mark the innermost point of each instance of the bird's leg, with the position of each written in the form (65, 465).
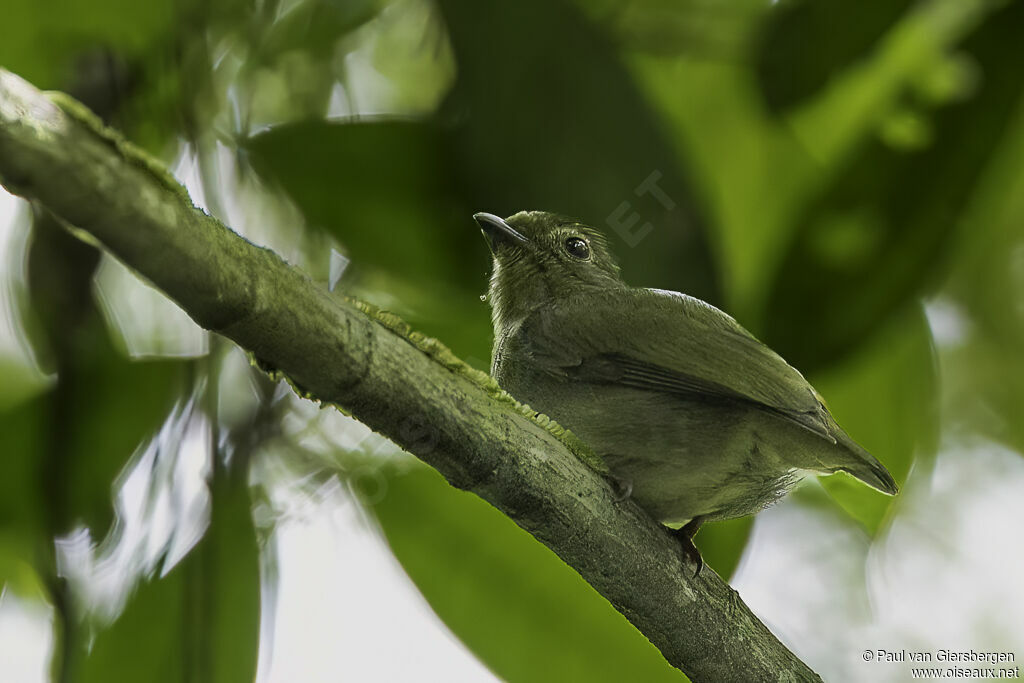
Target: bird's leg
(685, 535)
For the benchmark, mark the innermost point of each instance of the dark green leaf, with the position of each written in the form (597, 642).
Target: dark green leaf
(102, 406)
(547, 117)
(886, 397)
(880, 232)
(523, 611)
(385, 191)
(721, 544)
(200, 622)
(114, 406)
(23, 531)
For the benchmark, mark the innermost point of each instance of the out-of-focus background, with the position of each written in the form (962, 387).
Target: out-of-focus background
(845, 178)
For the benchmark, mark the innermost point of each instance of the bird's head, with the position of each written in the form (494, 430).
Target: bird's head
(540, 257)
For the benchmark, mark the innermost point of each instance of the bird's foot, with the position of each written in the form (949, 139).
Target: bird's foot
(685, 535)
(692, 554)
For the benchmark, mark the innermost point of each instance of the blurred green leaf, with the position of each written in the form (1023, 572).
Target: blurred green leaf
(722, 543)
(315, 25)
(385, 190)
(102, 406)
(224, 584)
(880, 233)
(21, 382)
(67, 29)
(382, 188)
(886, 397)
(986, 380)
(980, 318)
(200, 622)
(802, 44)
(522, 610)
(145, 642)
(114, 405)
(22, 522)
(691, 28)
(546, 117)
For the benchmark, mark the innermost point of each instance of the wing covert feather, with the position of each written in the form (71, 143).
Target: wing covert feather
(669, 342)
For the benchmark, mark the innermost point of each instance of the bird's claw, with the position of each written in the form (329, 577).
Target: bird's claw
(692, 554)
(685, 535)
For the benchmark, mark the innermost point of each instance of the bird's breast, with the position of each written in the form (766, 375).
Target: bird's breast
(681, 458)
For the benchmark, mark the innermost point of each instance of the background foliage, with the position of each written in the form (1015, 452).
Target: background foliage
(844, 178)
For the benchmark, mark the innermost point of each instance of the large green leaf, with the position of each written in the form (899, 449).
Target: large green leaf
(113, 405)
(886, 396)
(200, 622)
(721, 544)
(522, 610)
(386, 191)
(382, 188)
(398, 195)
(547, 117)
(880, 232)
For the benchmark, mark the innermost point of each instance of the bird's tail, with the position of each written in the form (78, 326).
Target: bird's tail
(865, 466)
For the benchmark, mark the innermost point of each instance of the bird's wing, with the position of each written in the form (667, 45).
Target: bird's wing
(672, 343)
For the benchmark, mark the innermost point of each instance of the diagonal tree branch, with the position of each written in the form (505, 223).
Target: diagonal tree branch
(52, 150)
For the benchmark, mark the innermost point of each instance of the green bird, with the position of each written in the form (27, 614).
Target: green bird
(696, 419)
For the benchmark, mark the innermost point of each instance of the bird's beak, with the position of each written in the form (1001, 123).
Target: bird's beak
(497, 231)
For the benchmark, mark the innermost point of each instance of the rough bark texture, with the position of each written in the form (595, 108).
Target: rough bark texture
(399, 383)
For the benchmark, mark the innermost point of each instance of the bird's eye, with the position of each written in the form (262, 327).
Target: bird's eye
(577, 248)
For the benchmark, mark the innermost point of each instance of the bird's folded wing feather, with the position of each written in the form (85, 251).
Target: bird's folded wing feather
(672, 343)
